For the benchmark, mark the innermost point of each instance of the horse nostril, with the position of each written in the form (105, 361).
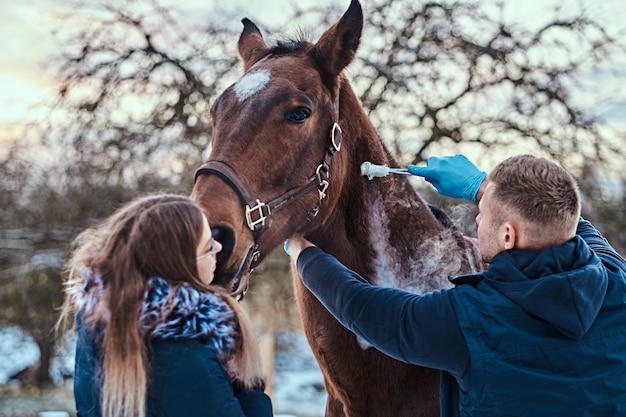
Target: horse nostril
(226, 237)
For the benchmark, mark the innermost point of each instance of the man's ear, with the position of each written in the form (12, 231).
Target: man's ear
(510, 235)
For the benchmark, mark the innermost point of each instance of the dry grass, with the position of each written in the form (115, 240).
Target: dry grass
(16, 401)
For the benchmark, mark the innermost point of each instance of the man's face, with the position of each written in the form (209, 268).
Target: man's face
(490, 233)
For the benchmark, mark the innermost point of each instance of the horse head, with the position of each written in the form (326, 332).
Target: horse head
(289, 138)
(276, 145)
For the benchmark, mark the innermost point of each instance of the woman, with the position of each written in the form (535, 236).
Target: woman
(155, 338)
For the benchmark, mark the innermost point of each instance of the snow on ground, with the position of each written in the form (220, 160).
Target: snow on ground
(299, 384)
(17, 351)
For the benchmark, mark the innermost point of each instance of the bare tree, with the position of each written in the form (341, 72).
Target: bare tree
(130, 116)
(134, 90)
(137, 83)
(38, 220)
(603, 204)
(437, 76)
(131, 113)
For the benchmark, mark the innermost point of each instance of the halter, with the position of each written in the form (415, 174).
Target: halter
(256, 211)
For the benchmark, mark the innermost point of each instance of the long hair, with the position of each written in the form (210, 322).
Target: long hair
(154, 236)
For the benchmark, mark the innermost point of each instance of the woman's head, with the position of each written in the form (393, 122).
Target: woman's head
(170, 238)
(162, 236)
(165, 236)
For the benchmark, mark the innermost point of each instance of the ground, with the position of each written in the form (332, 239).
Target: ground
(18, 402)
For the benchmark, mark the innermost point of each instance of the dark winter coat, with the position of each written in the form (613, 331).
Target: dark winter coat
(539, 333)
(189, 357)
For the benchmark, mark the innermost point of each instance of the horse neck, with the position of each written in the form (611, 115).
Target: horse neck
(376, 226)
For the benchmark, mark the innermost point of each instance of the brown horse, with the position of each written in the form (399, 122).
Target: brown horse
(288, 141)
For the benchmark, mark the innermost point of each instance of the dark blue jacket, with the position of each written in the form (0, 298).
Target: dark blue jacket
(191, 336)
(187, 380)
(539, 333)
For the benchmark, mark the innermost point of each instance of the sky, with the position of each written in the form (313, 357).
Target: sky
(26, 31)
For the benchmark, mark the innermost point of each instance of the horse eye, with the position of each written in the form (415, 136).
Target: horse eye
(298, 115)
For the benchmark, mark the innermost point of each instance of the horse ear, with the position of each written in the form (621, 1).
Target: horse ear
(337, 47)
(251, 44)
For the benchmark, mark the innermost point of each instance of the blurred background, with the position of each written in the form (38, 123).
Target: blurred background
(103, 101)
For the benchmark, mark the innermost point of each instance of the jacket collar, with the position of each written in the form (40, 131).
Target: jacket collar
(169, 312)
(564, 285)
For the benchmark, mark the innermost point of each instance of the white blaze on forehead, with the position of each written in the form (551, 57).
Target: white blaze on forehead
(251, 83)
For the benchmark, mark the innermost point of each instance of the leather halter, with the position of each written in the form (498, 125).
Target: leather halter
(257, 212)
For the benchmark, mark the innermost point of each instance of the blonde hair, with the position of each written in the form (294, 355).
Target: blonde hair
(541, 194)
(153, 236)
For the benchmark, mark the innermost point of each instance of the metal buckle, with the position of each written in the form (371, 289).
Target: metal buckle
(322, 189)
(335, 136)
(254, 261)
(263, 210)
(318, 172)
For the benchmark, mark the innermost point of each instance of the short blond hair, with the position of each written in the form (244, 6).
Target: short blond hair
(543, 195)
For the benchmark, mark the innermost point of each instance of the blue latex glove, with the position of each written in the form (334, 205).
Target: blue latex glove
(453, 176)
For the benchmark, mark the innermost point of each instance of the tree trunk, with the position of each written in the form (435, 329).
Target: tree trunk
(40, 377)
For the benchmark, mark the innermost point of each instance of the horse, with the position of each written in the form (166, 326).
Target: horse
(288, 140)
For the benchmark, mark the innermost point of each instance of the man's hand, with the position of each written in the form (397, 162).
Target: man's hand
(452, 176)
(294, 245)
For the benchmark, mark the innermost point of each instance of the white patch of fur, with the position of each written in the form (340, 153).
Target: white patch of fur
(440, 259)
(419, 269)
(419, 275)
(385, 268)
(251, 83)
(472, 260)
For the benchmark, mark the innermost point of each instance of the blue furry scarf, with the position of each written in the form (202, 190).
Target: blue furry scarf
(172, 312)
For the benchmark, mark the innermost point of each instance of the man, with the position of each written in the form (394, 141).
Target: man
(541, 332)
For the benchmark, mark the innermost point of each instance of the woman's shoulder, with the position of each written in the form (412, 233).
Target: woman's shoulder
(180, 349)
(181, 364)
(180, 372)
(185, 356)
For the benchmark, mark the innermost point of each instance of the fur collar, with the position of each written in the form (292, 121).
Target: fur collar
(170, 313)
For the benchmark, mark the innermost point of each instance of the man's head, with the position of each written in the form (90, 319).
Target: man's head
(529, 203)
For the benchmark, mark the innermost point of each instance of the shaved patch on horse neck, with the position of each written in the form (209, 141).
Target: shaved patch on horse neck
(251, 83)
(419, 274)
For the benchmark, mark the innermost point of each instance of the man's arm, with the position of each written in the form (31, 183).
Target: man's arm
(600, 245)
(420, 330)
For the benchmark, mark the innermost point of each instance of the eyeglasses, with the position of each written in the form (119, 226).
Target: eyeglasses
(212, 251)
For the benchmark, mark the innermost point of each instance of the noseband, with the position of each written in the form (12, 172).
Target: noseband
(256, 211)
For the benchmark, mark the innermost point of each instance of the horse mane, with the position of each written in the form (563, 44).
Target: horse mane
(288, 47)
